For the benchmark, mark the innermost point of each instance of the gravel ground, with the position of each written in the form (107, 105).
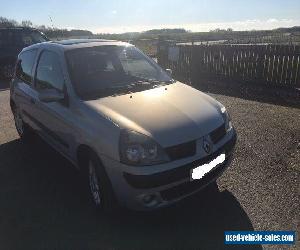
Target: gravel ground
(42, 205)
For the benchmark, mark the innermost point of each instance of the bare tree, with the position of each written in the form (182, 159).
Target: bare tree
(26, 23)
(4, 22)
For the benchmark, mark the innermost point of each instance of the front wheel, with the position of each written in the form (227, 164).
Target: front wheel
(100, 186)
(22, 128)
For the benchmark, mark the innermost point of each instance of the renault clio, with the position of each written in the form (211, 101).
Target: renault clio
(140, 138)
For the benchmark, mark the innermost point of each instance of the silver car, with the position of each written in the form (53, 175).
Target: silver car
(140, 139)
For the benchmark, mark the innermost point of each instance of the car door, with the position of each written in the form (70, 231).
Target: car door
(24, 92)
(54, 117)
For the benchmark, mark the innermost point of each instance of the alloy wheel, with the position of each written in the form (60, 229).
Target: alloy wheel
(94, 184)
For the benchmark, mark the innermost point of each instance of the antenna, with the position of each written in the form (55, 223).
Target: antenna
(51, 21)
(52, 26)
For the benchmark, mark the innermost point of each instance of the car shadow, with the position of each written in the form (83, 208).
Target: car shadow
(43, 206)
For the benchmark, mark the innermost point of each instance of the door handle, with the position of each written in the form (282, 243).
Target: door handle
(32, 100)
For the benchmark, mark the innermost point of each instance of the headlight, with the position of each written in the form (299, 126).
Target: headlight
(226, 118)
(138, 149)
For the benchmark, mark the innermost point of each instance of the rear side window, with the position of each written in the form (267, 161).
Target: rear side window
(20, 38)
(25, 65)
(49, 73)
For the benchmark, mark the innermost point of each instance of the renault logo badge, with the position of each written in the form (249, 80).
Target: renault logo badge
(206, 146)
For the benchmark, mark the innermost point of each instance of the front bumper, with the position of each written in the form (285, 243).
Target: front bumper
(167, 183)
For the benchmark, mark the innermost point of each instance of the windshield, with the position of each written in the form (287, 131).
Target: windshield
(110, 70)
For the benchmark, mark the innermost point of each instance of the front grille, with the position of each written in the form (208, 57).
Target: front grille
(182, 150)
(189, 187)
(176, 174)
(218, 134)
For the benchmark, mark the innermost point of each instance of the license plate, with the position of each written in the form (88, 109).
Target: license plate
(199, 172)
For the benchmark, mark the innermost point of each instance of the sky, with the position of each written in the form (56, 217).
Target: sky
(118, 16)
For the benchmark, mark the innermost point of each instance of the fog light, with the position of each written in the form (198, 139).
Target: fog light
(150, 200)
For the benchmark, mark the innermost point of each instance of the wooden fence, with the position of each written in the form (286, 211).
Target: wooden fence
(276, 65)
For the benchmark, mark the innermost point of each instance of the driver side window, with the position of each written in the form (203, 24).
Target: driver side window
(134, 64)
(49, 73)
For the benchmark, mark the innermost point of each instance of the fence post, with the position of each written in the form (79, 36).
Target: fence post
(159, 44)
(193, 66)
(261, 52)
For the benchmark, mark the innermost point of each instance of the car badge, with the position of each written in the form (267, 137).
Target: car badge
(206, 146)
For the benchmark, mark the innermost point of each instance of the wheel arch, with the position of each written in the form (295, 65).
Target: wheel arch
(83, 152)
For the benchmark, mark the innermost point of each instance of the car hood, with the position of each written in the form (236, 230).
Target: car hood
(170, 114)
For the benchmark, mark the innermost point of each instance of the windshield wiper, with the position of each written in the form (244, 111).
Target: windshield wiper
(127, 89)
(155, 83)
(109, 91)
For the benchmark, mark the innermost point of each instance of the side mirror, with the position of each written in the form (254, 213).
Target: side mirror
(51, 95)
(169, 72)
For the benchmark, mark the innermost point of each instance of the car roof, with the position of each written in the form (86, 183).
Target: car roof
(16, 28)
(79, 41)
(70, 44)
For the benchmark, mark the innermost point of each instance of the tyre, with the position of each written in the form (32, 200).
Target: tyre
(24, 131)
(100, 187)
